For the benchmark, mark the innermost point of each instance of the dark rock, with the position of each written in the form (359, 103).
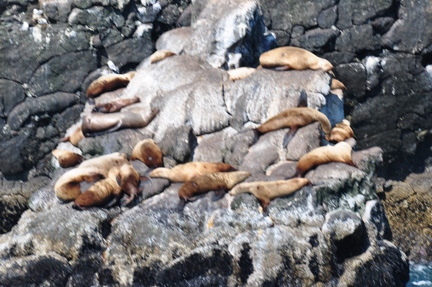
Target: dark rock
(316, 40)
(10, 154)
(185, 18)
(297, 31)
(357, 39)
(109, 37)
(367, 160)
(96, 17)
(178, 143)
(353, 75)
(327, 18)
(374, 216)
(282, 37)
(382, 25)
(62, 73)
(358, 12)
(169, 15)
(338, 58)
(49, 104)
(67, 118)
(12, 94)
(57, 10)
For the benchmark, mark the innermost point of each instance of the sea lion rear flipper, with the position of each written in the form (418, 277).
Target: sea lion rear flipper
(112, 202)
(303, 101)
(289, 136)
(110, 129)
(218, 194)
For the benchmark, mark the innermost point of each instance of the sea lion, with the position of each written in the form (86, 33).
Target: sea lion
(129, 182)
(105, 162)
(67, 158)
(159, 55)
(240, 73)
(148, 152)
(75, 137)
(295, 118)
(109, 82)
(185, 172)
(341, 131)
(265, 191)
(219, 181)
(101, 192)
(340, 152)
(336, 84)
(293, 58)
(68, 186)
(115, 106)
(98, 123)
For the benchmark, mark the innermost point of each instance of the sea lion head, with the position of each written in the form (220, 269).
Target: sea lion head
(322, 64)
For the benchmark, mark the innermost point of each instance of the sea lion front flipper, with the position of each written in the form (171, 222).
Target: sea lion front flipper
(303, 100)
(282, 68)
(289, 136)
(126, 200)
(218, 194)
(264, 205)
(181, 205)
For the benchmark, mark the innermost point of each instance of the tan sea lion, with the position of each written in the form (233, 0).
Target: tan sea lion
(293, 58)
(340, 152)
(67, 158)
(159, 55)
(341, 131)
(98, 123)
(105, 162)
(218, 181)
(265, 191)
(148, 152)
(185, 172)
(129, 182)
(240, 73)
(115, 106)
(75, 137)
(109, 82)
(101, 192)
(68, 186)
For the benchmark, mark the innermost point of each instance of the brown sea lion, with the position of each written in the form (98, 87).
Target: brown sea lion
(219, 181)
(75, 137)
(129, 182)
(185, 172)
(265, 191)
(341, 131)
(336, 84)
(148, 152)
(293, 58)
(68, 186)
(103, 192)
(115, 106)
(109, 82)
(240, 73)
(67, 158)
(159, 55)
(340, 152)
(98, 123)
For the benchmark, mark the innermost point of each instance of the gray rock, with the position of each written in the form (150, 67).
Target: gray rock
(316, 40)
(374, 217)
(354, 77)
(357, 39)
(57, 10)
(358, 12)
(10, 154)
(327, 18)
(12, 94)
(49, 104)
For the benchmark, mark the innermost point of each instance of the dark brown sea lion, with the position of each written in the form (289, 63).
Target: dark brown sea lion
(129, 182)
(115, 106)
(148, 152)
(265, 191)
(218, 181)
(108, 83)
(97, 123)
(340, 152)
(185, 172)
(293, 58)
(67, 158)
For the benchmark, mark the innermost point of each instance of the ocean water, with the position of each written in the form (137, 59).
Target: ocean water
(420, 275)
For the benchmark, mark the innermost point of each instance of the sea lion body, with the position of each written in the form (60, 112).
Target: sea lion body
(68, 186)
(265, 191)
(185, 172)
(115, 106)
(341, 132)
(148, 152)
(240, 73)
(296, 117)
(293, 58)
(110, 82)
(129, 182)
(341, 152)
(105, 162)
(67, 158)
(212, 181)
(160, 55)
(75, 137)
(96, 123)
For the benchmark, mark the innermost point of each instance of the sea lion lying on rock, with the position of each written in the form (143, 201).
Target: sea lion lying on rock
(97, 123)
(75, 137)
(340, 152)
(218, 181)
(148, 152)
(160, 55)
(67, 158)
(240, 73)
(129, 182)
(293, 58)
(185, 172)
(265, 191)
(109, 82)
(115, 106)
(341, 132)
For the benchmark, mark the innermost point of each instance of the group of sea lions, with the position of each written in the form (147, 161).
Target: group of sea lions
(113, 173)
